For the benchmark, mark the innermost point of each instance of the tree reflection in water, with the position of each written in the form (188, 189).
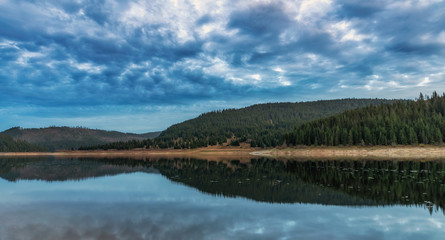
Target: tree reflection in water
(330, 182)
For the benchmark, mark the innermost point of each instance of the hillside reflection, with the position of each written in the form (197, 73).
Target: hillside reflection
(351, 183)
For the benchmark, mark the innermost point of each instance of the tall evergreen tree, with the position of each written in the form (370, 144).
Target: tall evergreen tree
(401, 122)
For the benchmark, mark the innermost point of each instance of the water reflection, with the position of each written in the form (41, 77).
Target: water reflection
(235, 219)
(53, 169)
(153, 200)
(352, 183)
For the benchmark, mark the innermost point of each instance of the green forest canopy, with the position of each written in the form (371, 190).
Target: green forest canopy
(402, 122)
(261, 125)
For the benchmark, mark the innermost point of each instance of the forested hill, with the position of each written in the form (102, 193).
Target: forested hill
(8, 144)
(403, 122)
(58, 138)
(260, 125)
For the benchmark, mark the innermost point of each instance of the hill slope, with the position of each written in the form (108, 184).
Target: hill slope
(260, 125)
(8, 144)
(403, 122)
(58, 138)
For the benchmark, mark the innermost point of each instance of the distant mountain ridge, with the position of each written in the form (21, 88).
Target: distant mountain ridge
(63, 138)
(260, 125)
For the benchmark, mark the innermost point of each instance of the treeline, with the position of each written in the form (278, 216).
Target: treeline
(261, 125)
(8, 144)
(402, 122)
(121, 145)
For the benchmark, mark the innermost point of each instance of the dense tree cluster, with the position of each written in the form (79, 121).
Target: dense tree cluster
(147, 143)
(8, 144)
(402, 122)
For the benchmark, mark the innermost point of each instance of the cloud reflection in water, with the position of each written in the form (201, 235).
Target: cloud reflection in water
(148, 206)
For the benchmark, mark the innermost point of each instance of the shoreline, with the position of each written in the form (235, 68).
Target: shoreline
(202, 153)
(421, 152)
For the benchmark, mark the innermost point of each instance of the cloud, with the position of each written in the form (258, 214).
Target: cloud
(170, 53)
(360, 9)
(259, 21)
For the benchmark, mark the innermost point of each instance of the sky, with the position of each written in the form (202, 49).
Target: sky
(142, 65)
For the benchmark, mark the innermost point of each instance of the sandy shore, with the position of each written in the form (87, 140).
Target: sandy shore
(202, 153)
(378, 152)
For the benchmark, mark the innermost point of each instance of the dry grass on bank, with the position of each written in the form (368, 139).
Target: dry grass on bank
(421, 152)
(375, 152)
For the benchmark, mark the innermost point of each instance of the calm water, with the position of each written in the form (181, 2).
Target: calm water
(47, 198)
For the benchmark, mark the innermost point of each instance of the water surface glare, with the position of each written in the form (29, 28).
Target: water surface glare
(174, 199)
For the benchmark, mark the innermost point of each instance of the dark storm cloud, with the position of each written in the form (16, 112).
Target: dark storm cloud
(258, 21)
(416, 48)
(204, 20)
(360, 9)
(95, 53)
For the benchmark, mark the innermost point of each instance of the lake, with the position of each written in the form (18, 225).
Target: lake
(186, 198)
